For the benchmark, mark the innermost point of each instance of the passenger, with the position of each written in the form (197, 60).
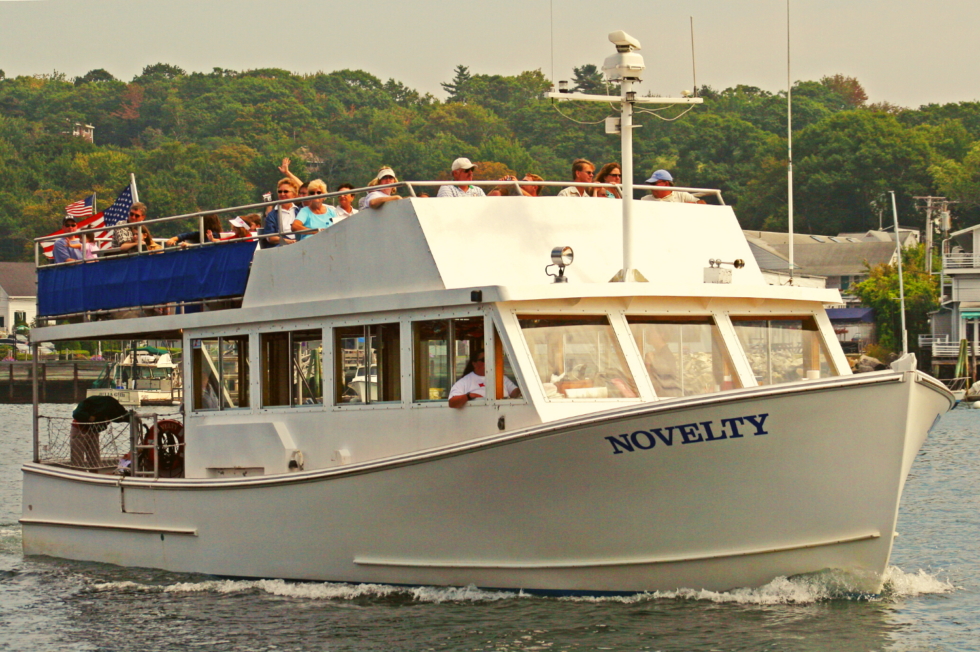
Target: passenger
(610, 173)
(125, 239)
(472, 385)
(462, 171)
(212, 233)
(344, 206)
(284, 169)
(663, 178)
(378, 198)
(67, 249)
(90, 248)
(241, 229)
(317, 215)
(254, 221)
(148, 243)
(284, 213)
(582, 172)
(531, 191)
(304, 191)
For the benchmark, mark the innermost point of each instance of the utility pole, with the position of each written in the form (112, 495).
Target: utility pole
(933, 202)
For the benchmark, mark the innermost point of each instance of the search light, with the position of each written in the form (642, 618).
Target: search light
(561, 257)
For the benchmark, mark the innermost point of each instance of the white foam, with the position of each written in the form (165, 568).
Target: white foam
(900, 584)
(798, 590)
(318, 590)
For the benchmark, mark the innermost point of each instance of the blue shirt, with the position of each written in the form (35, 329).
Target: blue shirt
(311, 220)
(63, 253)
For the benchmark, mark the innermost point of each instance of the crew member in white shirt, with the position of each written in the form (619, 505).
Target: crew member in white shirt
(663, 178)
(462, 171)
(473, 383)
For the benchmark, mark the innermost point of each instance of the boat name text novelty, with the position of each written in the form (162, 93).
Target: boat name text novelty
(690, 433)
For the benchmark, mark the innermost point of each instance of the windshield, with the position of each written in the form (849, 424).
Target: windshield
(783, 350)
(577, 357)
(684, 357)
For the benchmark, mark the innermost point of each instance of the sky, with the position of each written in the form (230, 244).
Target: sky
(907, 53)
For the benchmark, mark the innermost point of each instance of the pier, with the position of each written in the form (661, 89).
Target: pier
(58, 382)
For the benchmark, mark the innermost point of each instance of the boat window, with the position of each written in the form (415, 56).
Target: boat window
(503, 369)
(684, 357)
(441, 350)
(368, 364)
(820, 240)
(577, 357)
(220, 372)
(783, 350)
(292, 368)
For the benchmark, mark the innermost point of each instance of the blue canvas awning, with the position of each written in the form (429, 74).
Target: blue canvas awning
(865, 315)
(172, 276)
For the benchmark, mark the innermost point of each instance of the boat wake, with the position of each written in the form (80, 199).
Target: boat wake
(798, 590)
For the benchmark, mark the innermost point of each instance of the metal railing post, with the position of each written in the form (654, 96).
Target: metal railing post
(200, 229)
(37, 441)
(156, 448)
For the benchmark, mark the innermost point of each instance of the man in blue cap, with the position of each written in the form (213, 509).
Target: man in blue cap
(663, 178)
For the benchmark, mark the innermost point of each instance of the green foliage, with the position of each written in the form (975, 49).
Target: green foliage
(199, 141)
(459, 86)
(880, 291)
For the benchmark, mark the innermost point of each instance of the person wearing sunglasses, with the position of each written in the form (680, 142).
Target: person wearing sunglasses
(583, 171)
(462, 170)
(285, 213)
(128, 239)
(610, 173)
(67, 249)
(473, 383)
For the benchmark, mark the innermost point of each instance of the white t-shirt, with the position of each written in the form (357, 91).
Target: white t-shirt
(366, 199)
(572, 191)
(677, 196)
(456, 191)
(473, 384)
(343, 214)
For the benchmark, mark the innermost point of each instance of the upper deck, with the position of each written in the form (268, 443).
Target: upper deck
(413, 253)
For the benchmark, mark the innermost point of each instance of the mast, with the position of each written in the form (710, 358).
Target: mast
(625, 67)
(789, 145)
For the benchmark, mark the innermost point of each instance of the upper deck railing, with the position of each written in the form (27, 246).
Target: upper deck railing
(71, 281)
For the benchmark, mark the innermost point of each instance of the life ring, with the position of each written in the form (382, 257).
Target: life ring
(170, 443)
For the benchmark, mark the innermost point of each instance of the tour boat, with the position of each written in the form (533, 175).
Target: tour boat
(687, 425)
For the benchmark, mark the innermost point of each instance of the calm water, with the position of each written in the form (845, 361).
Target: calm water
(932, 599)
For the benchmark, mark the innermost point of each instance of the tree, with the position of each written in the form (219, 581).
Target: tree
(960, 181)
(97, 75)
(161, 71)
(848, 88)
(589, 79)
(880, 291)
(459, 86)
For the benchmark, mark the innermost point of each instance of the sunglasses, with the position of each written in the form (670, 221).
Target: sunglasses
(618, 176)
(283, 192)
(134, 213)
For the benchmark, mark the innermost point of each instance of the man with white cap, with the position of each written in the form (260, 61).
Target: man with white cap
(462, 171)
(378, 198)
(663, 178)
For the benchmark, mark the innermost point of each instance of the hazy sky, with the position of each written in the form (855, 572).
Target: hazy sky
(908, 53)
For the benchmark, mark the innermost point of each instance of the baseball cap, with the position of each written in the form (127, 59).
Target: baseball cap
(660, 175)
(68, 220)
(385, 172)
(463, 164)
(239, 222)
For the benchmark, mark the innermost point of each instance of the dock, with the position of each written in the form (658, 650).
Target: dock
(58, 382)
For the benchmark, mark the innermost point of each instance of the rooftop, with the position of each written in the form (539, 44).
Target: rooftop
(18, 279)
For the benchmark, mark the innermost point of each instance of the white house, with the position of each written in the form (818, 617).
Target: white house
(18, 294)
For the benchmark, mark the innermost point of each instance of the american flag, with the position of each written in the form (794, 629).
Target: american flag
(118, 212)
(82, 207)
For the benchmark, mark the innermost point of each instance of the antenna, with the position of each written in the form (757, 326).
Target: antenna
(789, 145)
(694, 65)
(552, 43)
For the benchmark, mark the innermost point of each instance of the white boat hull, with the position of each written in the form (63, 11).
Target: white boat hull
(559, 507)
